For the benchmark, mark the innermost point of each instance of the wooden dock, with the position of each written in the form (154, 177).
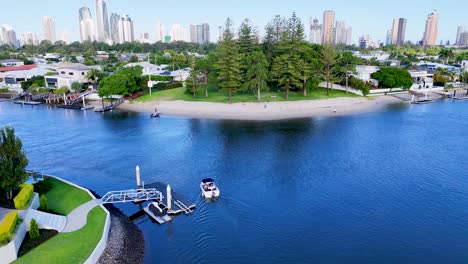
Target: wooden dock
(180, 203)
(27, 102)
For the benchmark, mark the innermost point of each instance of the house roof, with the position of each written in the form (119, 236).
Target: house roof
(10, 60)
(18, 68)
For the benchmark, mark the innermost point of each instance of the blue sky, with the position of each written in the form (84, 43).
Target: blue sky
(365, 16)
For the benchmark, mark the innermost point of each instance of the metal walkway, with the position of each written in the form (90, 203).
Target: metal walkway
(135, 196)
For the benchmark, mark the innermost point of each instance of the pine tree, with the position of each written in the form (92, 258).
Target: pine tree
(328, 59)
(257, 73)
(248, 43)
(193, 80)
(229, 61)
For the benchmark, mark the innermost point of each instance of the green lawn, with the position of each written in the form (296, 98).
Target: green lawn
(222, 97)
(72, 247)
(63, 198)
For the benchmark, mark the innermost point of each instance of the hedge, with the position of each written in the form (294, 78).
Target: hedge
(22, 199)
(8, 225)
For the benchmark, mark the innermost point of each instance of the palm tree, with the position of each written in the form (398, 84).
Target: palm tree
(446, 54)
(464, 78)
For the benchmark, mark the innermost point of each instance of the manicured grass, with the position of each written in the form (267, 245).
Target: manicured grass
(222, 97)
(63, 198)
(72, 247)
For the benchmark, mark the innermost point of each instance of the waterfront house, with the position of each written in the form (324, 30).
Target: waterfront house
(12, 77)
(11, 62)
(67, 74)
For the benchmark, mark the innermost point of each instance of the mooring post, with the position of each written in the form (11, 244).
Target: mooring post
(169, 198)
(138, 180)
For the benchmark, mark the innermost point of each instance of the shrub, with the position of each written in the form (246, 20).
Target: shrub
(44, 186)
(44, 205)
(34, 229)
(22, 199)
(7, 226)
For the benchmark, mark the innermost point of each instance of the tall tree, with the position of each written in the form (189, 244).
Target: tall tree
(285, 72)
(207, 68)
(13, 162)
(248, 43)
(193, 80)
(328, 59)
(229, 61)
(257, 73)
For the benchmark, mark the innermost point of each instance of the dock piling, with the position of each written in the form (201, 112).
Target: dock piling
(138, 180)
(169, 198)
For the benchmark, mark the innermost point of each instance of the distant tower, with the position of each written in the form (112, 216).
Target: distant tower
(126, 31)
(114, 24)
(87, 32)
(432, 29)
(328, 27)
(315, 36)
(102, 21)
(48, 29)
(398, 31)
(340, 32)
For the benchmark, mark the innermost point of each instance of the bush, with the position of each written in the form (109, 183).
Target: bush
(34, 230)
(22, 199)
(7, 226)
(393, 78)
(44, 205)
(44, 186)
(360, 85)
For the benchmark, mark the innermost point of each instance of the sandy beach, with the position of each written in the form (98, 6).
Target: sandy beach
(264, 111)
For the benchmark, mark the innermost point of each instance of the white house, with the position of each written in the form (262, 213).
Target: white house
(11, 62)
(12, 77)
(364, 72)
(160, 70)
(421, 79)
(67, 74)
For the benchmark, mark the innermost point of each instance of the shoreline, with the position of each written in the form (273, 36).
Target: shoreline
(264, 111)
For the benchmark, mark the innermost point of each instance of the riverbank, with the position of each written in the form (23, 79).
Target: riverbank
(264, 111)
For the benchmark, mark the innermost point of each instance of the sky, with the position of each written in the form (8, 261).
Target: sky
(371, 17)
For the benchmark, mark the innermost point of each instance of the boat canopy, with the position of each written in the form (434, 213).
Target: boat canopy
(207, 180)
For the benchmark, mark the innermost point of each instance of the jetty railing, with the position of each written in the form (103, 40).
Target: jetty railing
(136, 196)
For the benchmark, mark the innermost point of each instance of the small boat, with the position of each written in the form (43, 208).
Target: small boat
(157, 213)
(155, 114)
(209, 189)
(460, 98)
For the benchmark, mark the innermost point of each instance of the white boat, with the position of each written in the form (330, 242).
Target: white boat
(209, 189)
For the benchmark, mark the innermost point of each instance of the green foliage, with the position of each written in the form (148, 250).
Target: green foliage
(76, 87)
(124, 82)
(51, 73)
(34, 230)
(360, 85)
(193, 80)
(133, 59)
(229, 61)
(328, 60)
(393, 78)
(61, 90)
(44, 186)
(44, 205)
(22, 199)
(13, 161)
(37, 81)
(8, 226)
(257, 73)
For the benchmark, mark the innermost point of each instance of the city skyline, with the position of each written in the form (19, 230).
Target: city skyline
(375, 23)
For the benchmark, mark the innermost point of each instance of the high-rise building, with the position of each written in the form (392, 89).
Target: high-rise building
(66, 37)
(177, 33)
(388, 40)
(340, 32)
(87, 29)
(432, 29)
(29, 38)
(200, 33)
(114, 25)
(48, 29)
(126, 32)
(460, 31)
(144, 38)
(349, 36)
(328, 27)
(102, 21)
(315, 36)
(8, 36)
(366, 42)
(398, 31)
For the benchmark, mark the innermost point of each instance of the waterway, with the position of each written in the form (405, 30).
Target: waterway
(384, 187)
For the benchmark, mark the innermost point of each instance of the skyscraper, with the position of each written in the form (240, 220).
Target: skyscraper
(160, 34)
(200, 33)
(328, 27)
(432, 29)
(8, 36)
(102, 21)
(315, 36)
(460, 31)
(126, 32)
(29, 38)
(87, 32)
(398, 31)
(48, 29)
(177, 33)
(114, 24)
(340, 32)
(349, 36)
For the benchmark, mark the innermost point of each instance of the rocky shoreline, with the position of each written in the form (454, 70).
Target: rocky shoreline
(126, 243)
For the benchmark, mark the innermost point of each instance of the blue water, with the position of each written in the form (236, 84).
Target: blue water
(385, 187)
